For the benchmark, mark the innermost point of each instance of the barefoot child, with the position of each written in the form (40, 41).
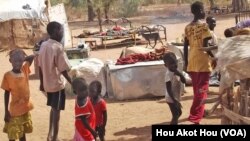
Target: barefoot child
(99, 104)
(173, 97)
(53, 70)
(15, 83)
(84, 112)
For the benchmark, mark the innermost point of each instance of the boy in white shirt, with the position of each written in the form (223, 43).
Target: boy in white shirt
(172, 79)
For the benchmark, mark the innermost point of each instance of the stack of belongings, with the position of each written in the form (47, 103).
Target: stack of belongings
(233, 60)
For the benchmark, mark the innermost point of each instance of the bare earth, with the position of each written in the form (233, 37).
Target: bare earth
(127, 120)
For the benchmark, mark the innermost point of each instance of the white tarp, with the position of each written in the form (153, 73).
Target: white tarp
(233, 60)
(13, 9)
(90, 69)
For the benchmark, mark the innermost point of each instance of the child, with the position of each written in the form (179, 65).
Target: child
(211, 22)
(99, 104)
(15, 83)
(173, 97)
(53, 68)
(197, 61)
(84, 112)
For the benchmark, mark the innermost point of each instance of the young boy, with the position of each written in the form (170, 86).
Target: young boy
(16, 83)
(211, 22)
(53, 65)
(197, 61)
(99, 104)
(85, 117)
(173, 97)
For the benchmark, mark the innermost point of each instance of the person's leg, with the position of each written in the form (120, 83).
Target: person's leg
(55, 123)
(193, 76)
(202, 83)
(23, 138)
(50, 134)
(175, 113)
(57, 105)
(101, 134)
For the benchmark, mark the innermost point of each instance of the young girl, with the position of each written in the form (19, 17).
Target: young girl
(16, 83)
(84, 112)
(173, 97)
(99, 104)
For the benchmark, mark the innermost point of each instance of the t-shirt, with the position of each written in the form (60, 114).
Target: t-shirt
(100, 107)
(18, 86)
(175, 84)
(53, 60)
(87, 110)
(198, 60)
(213, 41)
(243, 24)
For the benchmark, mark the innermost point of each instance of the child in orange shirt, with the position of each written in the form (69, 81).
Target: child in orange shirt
(99, 105)
(16, 83)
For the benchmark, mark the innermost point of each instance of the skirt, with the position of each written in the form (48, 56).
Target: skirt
(18, 126)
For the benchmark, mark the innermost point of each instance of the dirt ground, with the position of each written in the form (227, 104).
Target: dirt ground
(129, 120)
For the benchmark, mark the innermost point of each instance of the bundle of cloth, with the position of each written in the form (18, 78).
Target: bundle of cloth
(152, 55)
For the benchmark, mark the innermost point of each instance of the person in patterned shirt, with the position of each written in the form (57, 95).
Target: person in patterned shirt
(198, 62)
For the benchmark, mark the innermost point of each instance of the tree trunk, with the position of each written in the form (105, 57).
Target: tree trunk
(98, 11)
(75, 3)
(239, 5)
(107, 4)
(91, 12)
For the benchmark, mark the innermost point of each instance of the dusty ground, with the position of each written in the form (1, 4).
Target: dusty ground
(127, 120)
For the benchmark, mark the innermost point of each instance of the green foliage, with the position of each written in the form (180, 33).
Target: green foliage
(128, 8)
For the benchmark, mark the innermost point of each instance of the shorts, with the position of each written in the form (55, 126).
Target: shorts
(56, 99)
(18, 126)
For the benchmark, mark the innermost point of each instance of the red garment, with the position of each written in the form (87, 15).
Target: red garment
(99, 107)
(133, 58)
(88, 110)
(200, 81)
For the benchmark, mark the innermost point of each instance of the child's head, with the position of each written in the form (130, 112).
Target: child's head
(95, 88)
(211, 21)
(197, 9)
(55, 31)
(229, 32)
(80, 88)
(17, 57)
(170, 61)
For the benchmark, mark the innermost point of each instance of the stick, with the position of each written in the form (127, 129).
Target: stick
(209, 48)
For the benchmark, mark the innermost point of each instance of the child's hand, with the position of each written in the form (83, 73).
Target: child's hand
(183, 79)
(94, 133)
(214, 63)
(102, 130)
(7, 116)
(41, 87)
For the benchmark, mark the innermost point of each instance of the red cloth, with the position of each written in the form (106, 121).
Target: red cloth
(133, 58)
(87, 110)
(200, 81)
(100, 107)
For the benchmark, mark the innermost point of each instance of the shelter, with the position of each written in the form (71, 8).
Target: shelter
(21, 23)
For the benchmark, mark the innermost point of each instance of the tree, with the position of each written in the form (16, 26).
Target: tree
(239, 5)
(212, 4)
(106, 5)
(91, 12)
